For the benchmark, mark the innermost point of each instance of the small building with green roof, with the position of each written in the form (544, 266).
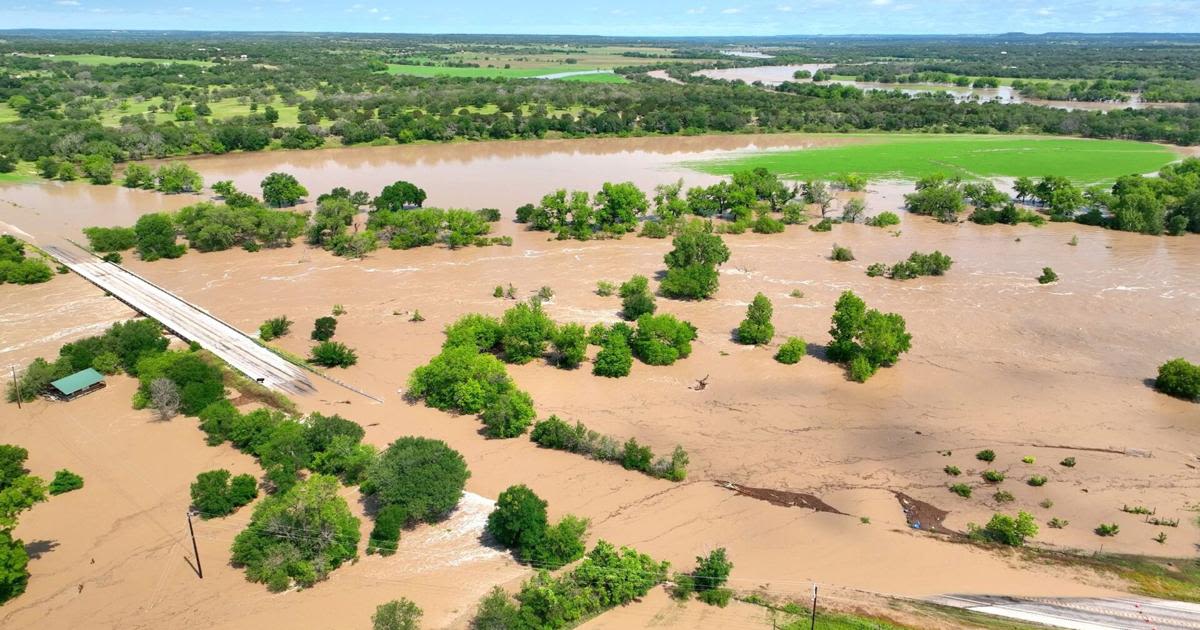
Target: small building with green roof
(77, 384)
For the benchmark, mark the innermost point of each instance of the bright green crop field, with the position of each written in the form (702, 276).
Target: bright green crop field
(908, 157)
(446, 71)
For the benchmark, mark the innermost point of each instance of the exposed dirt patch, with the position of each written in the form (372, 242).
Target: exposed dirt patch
(923, 516)
(782, 498)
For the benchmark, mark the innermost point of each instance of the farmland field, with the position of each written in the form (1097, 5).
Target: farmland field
(912, 157)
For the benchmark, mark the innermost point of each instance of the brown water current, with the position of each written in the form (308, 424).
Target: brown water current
(998, 361)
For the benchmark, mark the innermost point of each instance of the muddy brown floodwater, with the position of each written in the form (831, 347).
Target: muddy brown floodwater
(998, 361)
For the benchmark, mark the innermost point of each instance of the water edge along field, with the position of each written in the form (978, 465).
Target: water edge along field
(911, 157)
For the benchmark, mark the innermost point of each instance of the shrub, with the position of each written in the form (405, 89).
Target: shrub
(333, 354)
(636, 299)
(1068, 462)
(692, 263)
(1108, 529)
(953, 471)
(1037, 481)
(603, 288)
(718, 597)
(508, 415)
(65, 481)
(757, 328)
(271, 553)
(824, 225)
(385, 536)
(992, 476)
(791, 351)
(398, 614)
(424, 477)
(884, 219)
(962, 490)
(614, 359)
(1028, 459)
(662, 339)
(986, 455)
(1003, 496)
(1057, 523)
(274, 328)
(498, 292)
(766, 224)
(323, 328)
(841, 254)
(1179, 378)
(637, 456)
(1047, 276)
(1005, 529)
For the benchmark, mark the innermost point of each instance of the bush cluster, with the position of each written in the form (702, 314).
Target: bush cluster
(556, 434)
(519, 522)
(216, 493)
(917, 265)
(65, 481)
(757, 328)
(865, 340)
(604, 579)
(1179, 378)
(791, 351)
(1005, 529)
(16, 268)
(414, 480)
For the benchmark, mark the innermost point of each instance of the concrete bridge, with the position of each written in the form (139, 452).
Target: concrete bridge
(186, 320)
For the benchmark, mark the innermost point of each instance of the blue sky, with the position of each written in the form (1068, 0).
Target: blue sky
(613, 17)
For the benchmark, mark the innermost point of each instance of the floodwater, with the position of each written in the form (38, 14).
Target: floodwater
(774, 75)
(998, 361)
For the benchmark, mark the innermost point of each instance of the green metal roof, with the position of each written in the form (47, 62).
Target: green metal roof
(80, 380)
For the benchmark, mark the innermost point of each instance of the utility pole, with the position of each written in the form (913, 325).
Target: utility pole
(16, 388)
(813, 624)
(195, 549)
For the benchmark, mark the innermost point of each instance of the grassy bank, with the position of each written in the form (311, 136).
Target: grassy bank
(912, 156)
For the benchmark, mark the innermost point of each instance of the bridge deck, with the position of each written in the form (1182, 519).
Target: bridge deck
(187, 320)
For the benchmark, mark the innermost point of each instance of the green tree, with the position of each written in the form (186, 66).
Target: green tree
(282, 189)
(398, 614)
(460, 379)
(526, 330)
(176, 177)
(98, 168)
(614, 359)
(570, 345)
(662, 339)
(398, 196)
(1005, 529)
(636, 299)
(423, 477)
(865, 339)
(156, 237)
(508, 415)
(271, 552)
(619, 206)
(519, 520)
(757, 328)
(14, 563)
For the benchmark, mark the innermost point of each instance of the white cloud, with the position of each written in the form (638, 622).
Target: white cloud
(881, 3)
(373, 10)
(784, 8)
(697, 11)
(67, 3)
(1044, 11)
(731, 11)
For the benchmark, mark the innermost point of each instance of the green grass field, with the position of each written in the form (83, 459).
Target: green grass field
(221, 109)
(910, 157)
(597, 78)
(105, 60)
(8, 114)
